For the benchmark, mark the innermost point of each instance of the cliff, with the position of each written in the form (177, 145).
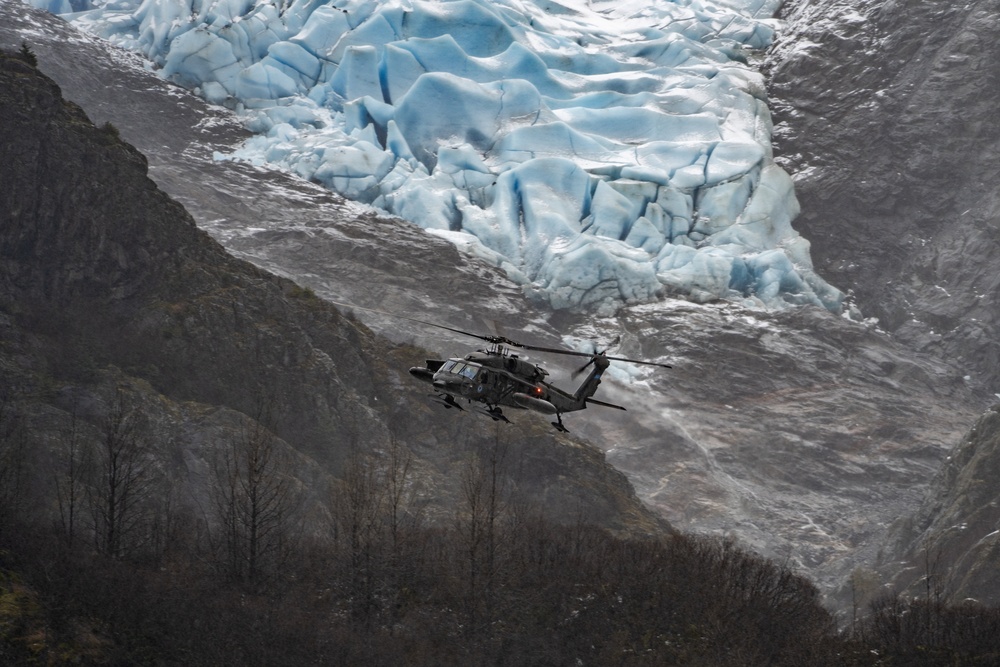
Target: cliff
(950, 545)
(884, 113)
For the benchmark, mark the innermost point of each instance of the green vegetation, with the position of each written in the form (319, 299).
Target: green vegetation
(28, 55)
(299, 292)
(109, 134)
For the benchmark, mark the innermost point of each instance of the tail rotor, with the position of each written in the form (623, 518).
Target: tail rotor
(594, 354)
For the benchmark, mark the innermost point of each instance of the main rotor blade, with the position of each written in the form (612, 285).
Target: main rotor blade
(605, 404)
(574, 353)
(499, 340)
(637, 361)
(353, 306)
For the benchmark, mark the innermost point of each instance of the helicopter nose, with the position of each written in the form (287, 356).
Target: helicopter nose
(448, 385)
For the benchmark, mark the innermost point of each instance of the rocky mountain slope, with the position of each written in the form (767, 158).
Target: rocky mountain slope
(106, 283)
(885, 111)
(950, 546)
(800, 433)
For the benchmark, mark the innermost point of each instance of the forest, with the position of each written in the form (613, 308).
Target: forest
(100, 565)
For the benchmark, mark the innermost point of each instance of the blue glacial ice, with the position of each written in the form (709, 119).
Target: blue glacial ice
(601, 152)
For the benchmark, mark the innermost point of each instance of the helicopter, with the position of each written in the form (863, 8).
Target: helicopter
(491, 379)
(496, 376)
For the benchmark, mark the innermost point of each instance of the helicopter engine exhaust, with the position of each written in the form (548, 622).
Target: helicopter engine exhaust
(536, 404)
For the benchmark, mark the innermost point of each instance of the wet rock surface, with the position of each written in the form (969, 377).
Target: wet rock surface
(950, 545)
(884, 114)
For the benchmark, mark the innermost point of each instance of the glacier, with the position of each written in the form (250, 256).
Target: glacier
(601, 153)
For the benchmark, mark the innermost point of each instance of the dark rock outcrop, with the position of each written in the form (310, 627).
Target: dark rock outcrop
(106, 282)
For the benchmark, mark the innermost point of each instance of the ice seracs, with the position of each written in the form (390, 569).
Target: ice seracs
(600, 152)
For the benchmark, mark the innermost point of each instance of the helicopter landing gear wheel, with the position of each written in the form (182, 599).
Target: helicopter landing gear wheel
(447, 401)
(494, 413)
(559, 425)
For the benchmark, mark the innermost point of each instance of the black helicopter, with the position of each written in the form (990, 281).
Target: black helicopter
(495, 377)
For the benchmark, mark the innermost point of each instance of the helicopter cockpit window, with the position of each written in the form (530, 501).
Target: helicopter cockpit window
(457, 367)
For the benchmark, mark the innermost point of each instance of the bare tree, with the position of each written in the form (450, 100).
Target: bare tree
(397, 489)
(13, 461)
(358, 518)
(484, 493)
(403, 521)
(933, 591)
(122, 489)
(373, 519)
(254, 501)
(865, 586)
(69, 484)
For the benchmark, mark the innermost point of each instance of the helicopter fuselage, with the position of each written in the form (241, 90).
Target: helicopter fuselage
(494, 379)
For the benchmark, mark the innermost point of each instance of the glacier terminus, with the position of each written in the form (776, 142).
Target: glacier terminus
(601, 153)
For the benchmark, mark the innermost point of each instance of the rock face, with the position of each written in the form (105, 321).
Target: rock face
(885, 113)
(114, 272)
(951, 545)
(106, 282)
